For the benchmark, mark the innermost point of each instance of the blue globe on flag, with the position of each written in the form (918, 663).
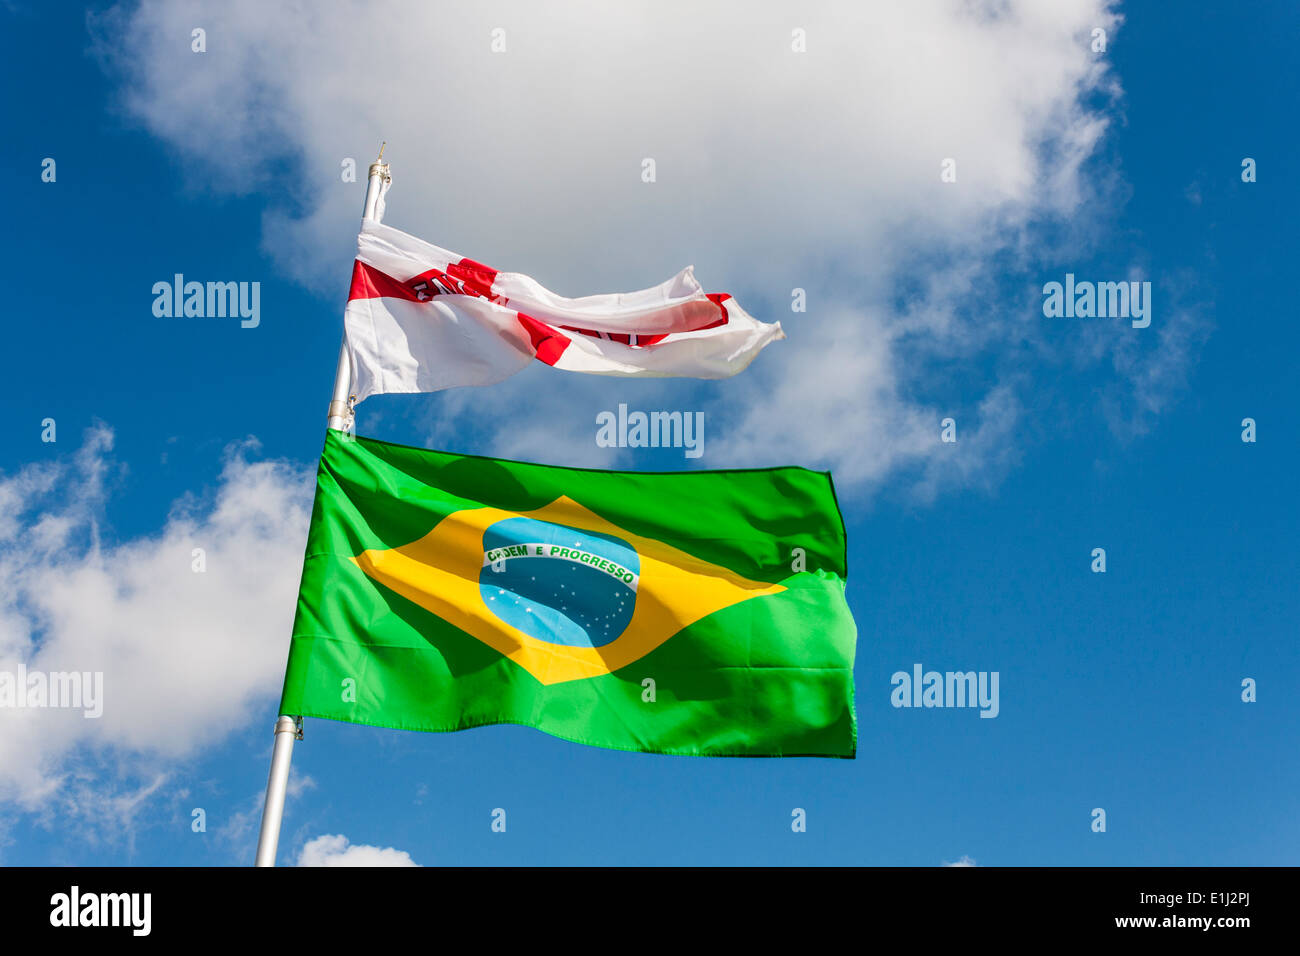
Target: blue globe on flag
(558, 584)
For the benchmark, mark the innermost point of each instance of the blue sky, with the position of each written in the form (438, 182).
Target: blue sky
(1119, 690)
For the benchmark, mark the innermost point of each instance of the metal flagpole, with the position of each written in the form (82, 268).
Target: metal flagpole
(288, 729)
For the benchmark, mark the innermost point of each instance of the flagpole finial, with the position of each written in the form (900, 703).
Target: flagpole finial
(379, 167)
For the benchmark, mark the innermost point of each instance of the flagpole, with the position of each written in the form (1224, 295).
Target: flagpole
(287, 728)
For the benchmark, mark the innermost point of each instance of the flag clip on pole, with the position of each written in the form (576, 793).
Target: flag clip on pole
(341, 417)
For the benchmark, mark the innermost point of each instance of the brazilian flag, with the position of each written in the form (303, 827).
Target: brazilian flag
(697, 612)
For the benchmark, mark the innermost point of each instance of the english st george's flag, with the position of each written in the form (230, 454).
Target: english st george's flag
(420, 319)
(697, 612)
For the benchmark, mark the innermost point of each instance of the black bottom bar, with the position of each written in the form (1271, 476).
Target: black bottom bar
(548, 907)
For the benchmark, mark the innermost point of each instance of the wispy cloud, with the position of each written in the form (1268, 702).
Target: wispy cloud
(240, 830)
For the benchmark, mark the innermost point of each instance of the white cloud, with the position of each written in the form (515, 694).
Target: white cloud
(336, 851)
(962, 861)
(185, 656)
(776, 170)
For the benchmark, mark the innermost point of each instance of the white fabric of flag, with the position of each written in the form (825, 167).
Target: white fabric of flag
(421, 319)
